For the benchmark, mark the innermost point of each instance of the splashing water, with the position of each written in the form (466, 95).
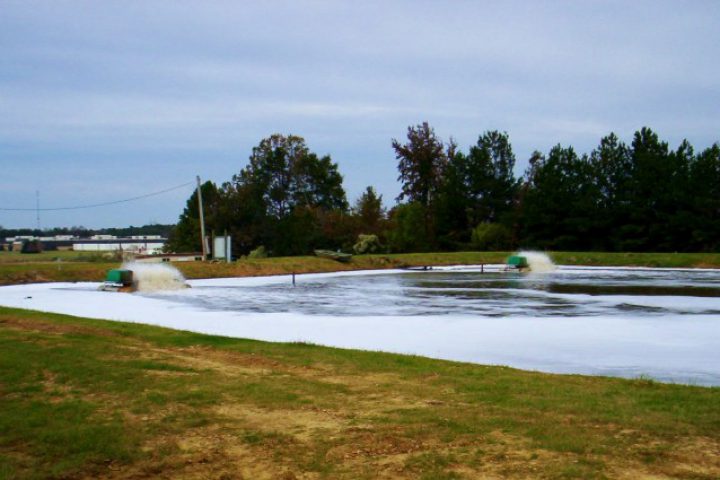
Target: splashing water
(539, 262)
(154, 277)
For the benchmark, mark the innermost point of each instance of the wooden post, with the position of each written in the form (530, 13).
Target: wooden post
(202, 220)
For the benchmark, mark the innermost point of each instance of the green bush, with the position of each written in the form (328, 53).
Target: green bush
(492, 237)
(259, 252)
(367, 244)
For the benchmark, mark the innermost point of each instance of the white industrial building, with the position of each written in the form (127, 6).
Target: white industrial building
(142, 246)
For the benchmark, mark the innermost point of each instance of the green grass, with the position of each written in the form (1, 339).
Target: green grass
(89, 398)
(665, 260)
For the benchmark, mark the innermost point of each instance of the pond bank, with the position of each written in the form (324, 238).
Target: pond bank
(72, 266)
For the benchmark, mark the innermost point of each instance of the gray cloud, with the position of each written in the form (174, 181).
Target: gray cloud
(147, 94)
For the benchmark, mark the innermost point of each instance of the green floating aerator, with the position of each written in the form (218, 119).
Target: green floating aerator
(119, 277)
(516, 261)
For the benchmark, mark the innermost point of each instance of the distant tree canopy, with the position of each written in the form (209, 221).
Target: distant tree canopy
(370, 212)
(638, 197)
(287, 199)
(641, 197)
(558, 201)
(285, 196)
(489, 178)
(478, 187)
(422, 161)
(285, 176)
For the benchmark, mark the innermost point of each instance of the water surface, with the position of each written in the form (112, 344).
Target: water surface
(569, 292)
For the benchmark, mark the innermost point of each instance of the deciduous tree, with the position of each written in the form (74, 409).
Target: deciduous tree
(288, 187)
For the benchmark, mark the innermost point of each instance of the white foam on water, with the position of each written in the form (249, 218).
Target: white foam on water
(155, 277)
(539, 262)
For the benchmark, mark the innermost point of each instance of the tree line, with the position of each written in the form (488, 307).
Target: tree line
(83, 232)
(638, 197)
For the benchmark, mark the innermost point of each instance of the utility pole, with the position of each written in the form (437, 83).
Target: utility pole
(202, 220)
(37, 207)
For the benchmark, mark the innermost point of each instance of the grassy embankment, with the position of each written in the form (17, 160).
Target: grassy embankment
(84, 398)
(74, 266)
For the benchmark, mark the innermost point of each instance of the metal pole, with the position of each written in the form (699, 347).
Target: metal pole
(37, 207)
(202, 220)
(228, 248)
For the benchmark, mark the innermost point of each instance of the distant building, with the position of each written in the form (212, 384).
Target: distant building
(140, 246)
(57, 242)
(59, 237)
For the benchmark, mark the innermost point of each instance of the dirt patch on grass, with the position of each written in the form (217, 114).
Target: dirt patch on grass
(368, 443)
(215, 452)
(302, 424)
(229, 362)
(695, 458)
(56, 392)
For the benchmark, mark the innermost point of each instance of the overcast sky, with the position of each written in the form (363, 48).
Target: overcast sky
(105, 100)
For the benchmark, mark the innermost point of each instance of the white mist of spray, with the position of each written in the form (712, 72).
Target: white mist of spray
(153, 277)
(539, 262)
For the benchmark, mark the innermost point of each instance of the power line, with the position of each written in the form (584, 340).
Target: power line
(104, 204)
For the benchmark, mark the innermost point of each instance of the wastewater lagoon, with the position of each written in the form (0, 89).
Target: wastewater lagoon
(568, 291)
(658, 323)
